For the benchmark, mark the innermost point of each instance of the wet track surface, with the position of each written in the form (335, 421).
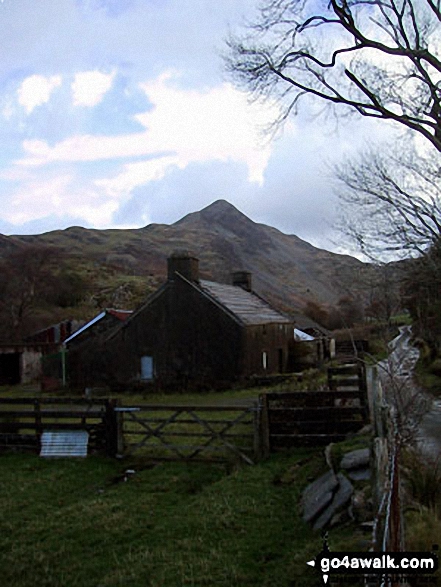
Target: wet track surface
(402, 360)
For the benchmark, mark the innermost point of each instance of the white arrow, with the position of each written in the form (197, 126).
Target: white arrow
(325, 578)
(311, 563)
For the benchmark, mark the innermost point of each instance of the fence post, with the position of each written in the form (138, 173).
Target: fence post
(119, 433)
(257, 431)
(264, 427)
(37, 412)
(112, 428)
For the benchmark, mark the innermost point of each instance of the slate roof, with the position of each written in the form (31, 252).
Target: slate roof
(247, 306)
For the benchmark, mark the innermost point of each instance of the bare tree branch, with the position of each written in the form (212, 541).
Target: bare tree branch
(391, 200)
(295, 49)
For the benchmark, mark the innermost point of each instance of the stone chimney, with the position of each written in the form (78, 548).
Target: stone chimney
(184, 263)
(242, 279)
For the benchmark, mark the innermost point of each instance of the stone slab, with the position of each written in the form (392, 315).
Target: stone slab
(340, 499)
(356, 459)
(359, 474)
(318, 495)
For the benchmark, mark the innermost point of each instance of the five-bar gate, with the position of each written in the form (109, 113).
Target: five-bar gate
(184, 432)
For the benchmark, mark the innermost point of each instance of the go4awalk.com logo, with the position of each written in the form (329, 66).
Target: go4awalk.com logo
(370, 563)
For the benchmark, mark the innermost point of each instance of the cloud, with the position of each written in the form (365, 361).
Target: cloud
(180, 191)
(89, 87)
(216, 124)
(36, 90)
(138, 173)
(189, 125)
(58, 195)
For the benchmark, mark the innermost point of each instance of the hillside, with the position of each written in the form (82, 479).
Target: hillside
(286, 270)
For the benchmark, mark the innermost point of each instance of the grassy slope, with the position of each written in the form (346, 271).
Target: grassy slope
(66, 523)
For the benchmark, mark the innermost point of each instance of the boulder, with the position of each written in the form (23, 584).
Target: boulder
(318, 495)
(359, 474)
(356, 459)
(340, 498)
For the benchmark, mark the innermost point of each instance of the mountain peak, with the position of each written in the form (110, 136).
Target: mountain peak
(220, 206)
(219, 211)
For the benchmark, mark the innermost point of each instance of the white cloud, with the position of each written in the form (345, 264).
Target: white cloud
(89, 87)
(218, 124)
(36, 90)
(39, 197)
(187, 125)
(138, 173)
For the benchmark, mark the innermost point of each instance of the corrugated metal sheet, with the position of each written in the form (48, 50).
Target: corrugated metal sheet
(85, 327)
(60, 443)
(302, 336)
(245, 305)
(121, 315)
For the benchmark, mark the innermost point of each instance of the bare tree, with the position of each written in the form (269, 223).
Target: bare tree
(375, 57)
(391, 203)
(27, 277)
(391, 200)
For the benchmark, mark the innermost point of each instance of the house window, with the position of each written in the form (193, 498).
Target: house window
(265, 360)
(146, 368)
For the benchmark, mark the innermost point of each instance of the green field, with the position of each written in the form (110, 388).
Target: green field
(66, 523)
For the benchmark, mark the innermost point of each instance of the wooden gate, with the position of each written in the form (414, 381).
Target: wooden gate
(190, 433)
(316, 417)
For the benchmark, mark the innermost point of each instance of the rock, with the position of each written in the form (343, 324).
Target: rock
(340, 499)
(356, 459)
(318, 495)
(359, 474)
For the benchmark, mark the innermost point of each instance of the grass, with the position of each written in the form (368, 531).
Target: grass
(68, 523)
(422, 481)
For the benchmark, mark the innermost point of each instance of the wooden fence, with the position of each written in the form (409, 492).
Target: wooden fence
(194, 432)
(183, 432)
(23, 420)
(348, 377)
(314, 418)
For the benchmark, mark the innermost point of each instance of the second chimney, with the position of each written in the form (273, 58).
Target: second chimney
(242, 279)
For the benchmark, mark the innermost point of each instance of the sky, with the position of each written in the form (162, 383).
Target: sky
(119, 113)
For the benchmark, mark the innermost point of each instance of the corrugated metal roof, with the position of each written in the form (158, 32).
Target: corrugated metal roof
(119, 314)
(248, 307)
(85, 327)
(302, 336)
(69, 443)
